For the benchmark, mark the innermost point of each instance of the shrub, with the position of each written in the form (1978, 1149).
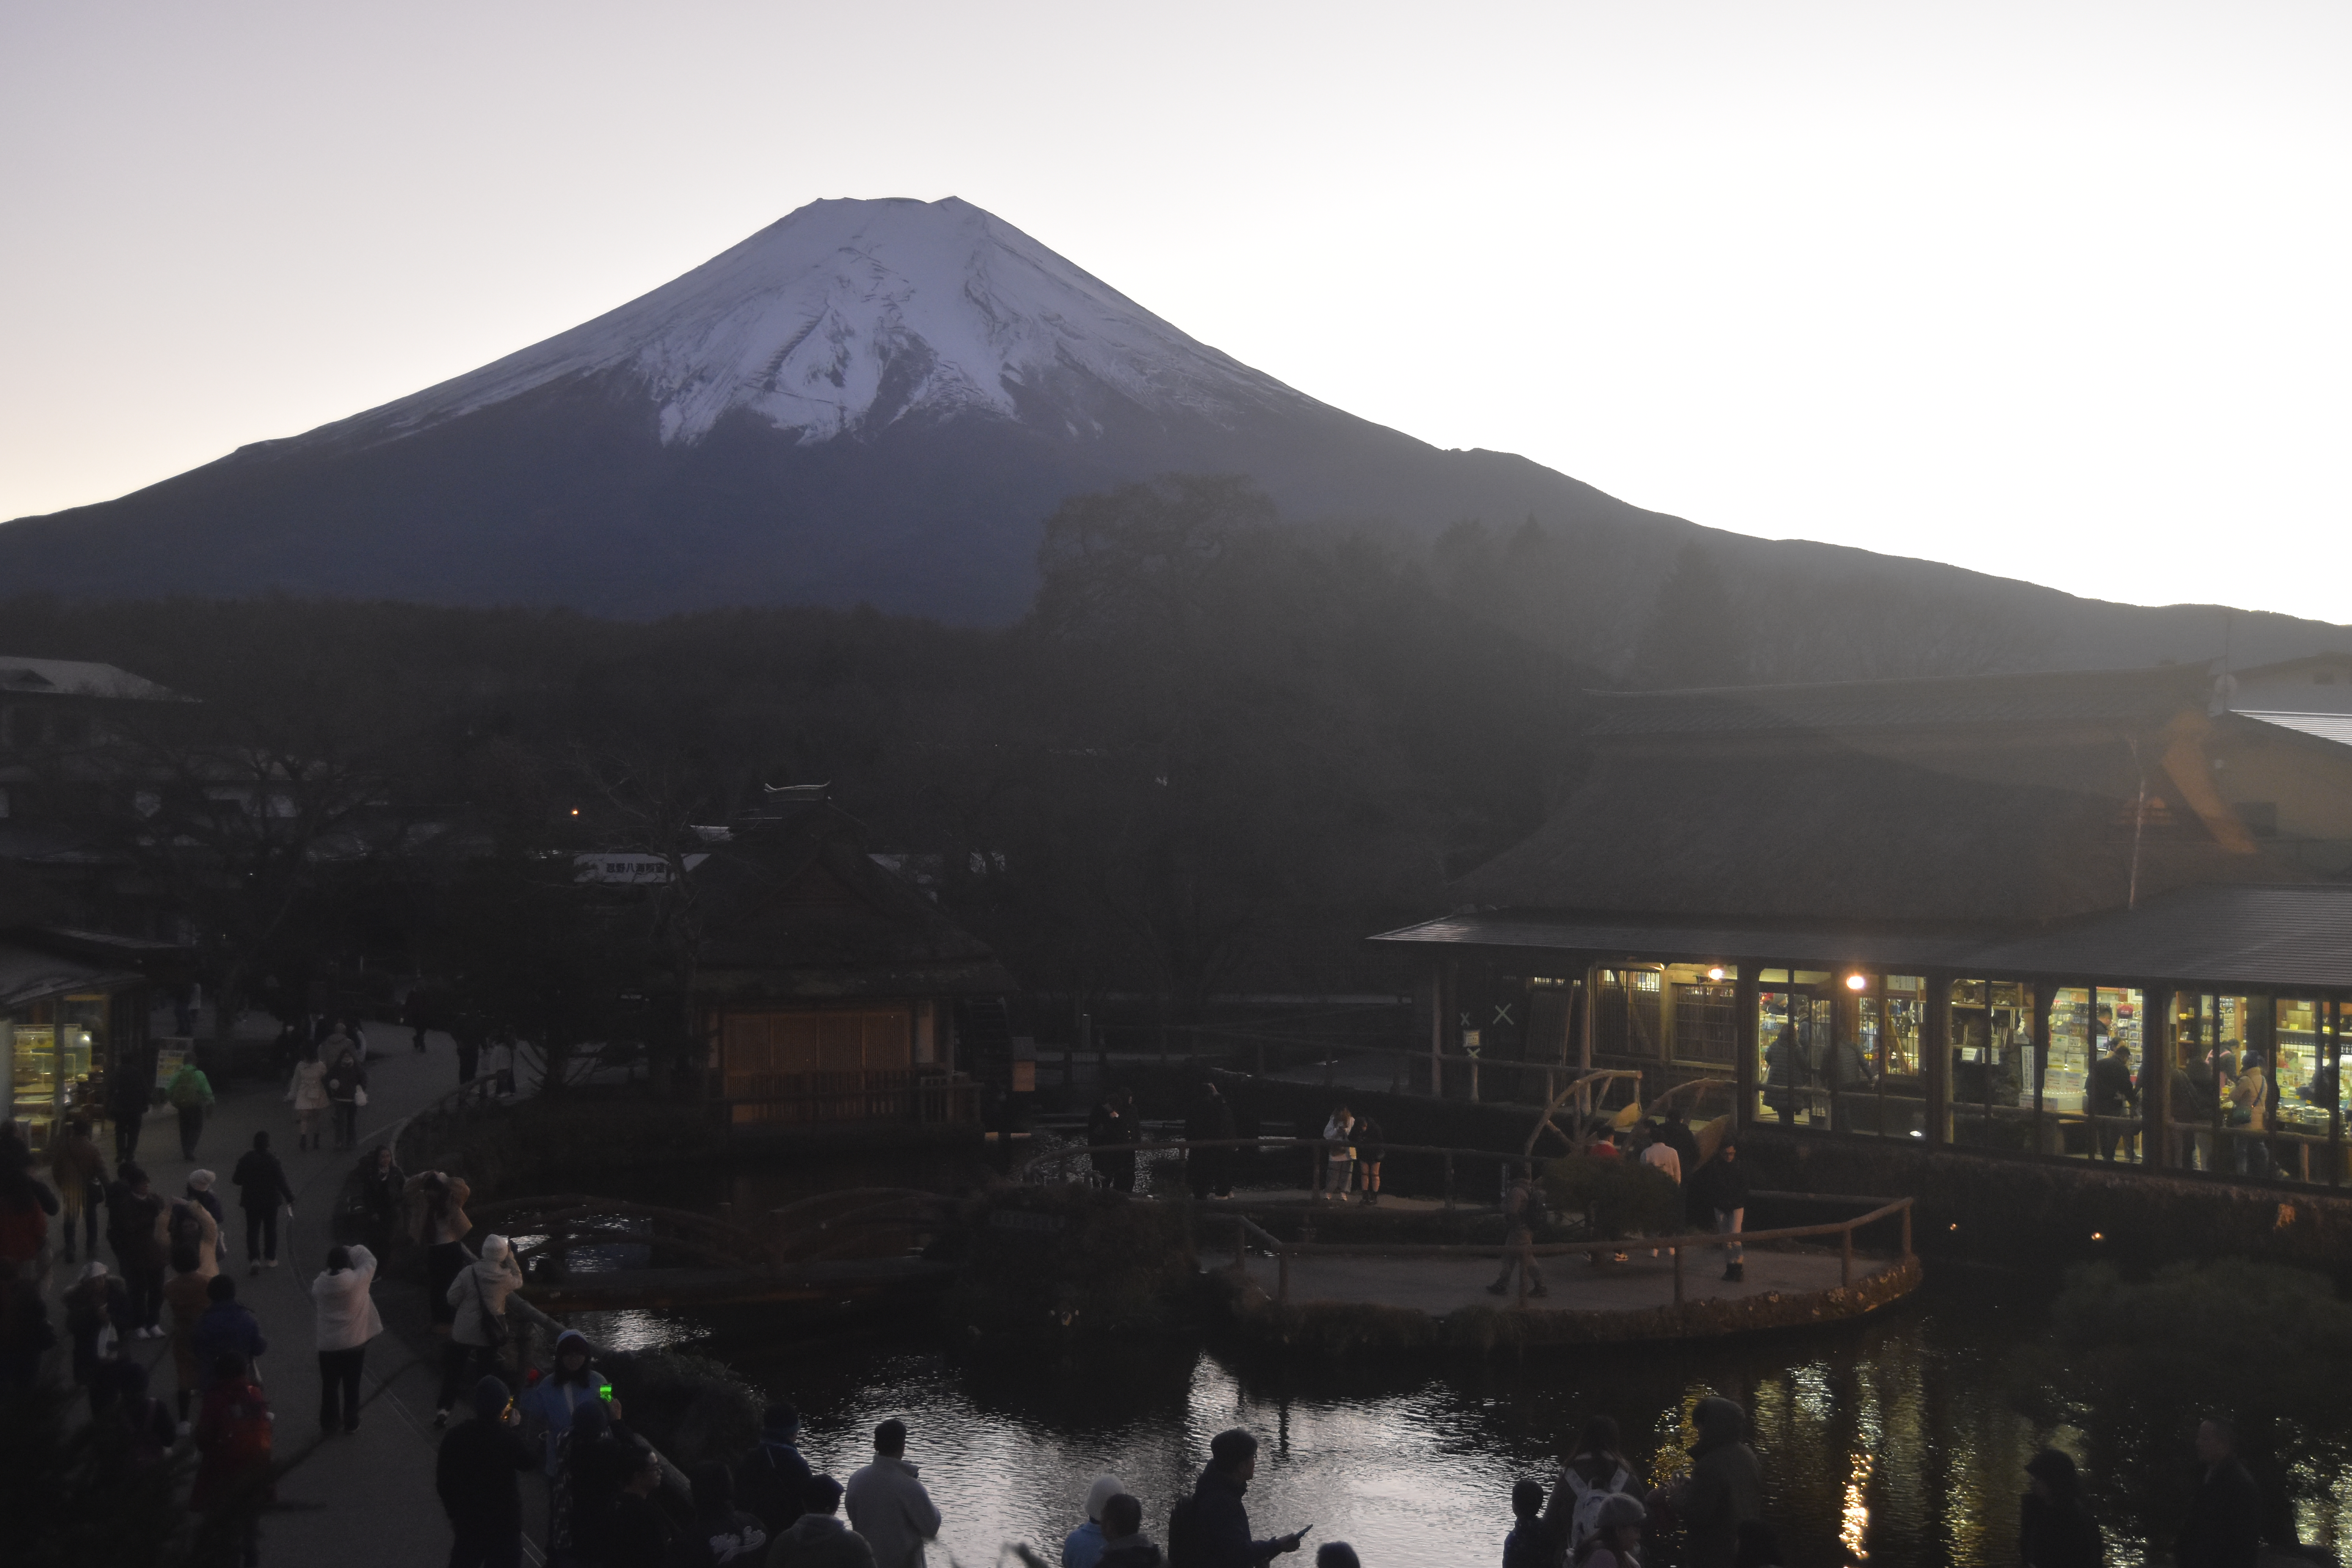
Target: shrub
(1619, 1197)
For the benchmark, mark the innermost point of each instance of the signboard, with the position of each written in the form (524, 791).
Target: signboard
(626, 869)
(1470, 1042)
(170, 1053)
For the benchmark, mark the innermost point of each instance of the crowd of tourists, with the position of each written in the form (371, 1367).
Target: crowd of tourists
(611, 1500)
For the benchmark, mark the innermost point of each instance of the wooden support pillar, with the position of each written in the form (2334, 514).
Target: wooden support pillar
(2045, 995)
(1743, 1072)
(2156, 1077)
(1437, 1029)
(1935, 1059)
(2334, 1036)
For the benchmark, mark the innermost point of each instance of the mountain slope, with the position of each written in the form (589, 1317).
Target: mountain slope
(873, 401)
(878, 402)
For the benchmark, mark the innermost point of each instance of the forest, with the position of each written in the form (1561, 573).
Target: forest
(1216, 753)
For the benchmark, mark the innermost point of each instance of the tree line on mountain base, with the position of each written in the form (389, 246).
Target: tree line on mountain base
(1216, 755)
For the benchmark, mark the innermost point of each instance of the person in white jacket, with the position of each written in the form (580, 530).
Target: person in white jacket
(480, 1294)
(308, 1090)
(888, 1504)
(347, 1320)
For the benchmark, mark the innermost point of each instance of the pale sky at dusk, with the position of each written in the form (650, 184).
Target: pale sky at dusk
(2061, 291)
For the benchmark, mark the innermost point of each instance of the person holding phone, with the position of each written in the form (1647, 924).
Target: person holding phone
(1211, 1529)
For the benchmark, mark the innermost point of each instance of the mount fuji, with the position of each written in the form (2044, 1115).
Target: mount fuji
(874, 401)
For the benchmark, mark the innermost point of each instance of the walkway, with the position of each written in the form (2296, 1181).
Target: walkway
(367, 1499)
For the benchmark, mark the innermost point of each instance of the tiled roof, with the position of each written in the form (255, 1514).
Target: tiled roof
(2258, 937)
(2335, 727)
(2079, 697)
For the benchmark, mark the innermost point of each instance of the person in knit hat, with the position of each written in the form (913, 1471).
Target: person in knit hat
(1083, 1547)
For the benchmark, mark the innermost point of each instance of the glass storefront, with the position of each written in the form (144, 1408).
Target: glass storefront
(57, 1052)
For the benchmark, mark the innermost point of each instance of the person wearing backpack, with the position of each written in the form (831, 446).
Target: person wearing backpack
(1211, 1529)
(1524, 1219)
(478, 1476)
(773, 1478)
(233, 1436)
(191, 1094)
(479, 1295)
(346, 1082)
(261, 1187)
(228, 1327)
(134, 1224)
(1594, 1471)
(190, 1223)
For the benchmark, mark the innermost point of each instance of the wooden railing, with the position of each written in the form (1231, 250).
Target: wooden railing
(1245, 1228)
(1319, 1145)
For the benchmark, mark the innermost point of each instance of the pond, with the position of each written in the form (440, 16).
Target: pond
(1898, 1441)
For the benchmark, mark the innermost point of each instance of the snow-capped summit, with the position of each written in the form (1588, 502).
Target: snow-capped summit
(874, 402)
(847, 316)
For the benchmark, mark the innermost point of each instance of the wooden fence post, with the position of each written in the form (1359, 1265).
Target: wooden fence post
(1282, 1277)
(1846, 1257)
(1679, 1275)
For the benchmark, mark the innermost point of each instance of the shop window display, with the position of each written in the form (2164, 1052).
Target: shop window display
(1795, 1026)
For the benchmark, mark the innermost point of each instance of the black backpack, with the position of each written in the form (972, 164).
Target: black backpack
(1185, 1547)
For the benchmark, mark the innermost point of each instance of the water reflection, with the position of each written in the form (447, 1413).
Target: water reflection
(1897, 1442)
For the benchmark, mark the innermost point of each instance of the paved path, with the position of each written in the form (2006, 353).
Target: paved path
(350, 1501)
(1438, 1285)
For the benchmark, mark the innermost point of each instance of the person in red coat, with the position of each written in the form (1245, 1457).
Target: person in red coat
(233, 1478)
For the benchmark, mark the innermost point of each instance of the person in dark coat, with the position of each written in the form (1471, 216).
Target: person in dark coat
(722, 1532)
(1210, 1117)
(772, 1479)
(261, 1187)
(129, 1087)
(228, 1328)
(1724, 1490)
(1721, 1191)
(476, 1476)
(1371, 1152)
(2113, 1093)
(1217, 1533)
(1532, 1543)
(640, 1536)
(2054, 1525)
(818, 1539)
(135, 1216)
(2224, 1529)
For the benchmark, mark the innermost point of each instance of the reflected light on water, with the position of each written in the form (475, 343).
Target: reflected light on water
(1853, 1523)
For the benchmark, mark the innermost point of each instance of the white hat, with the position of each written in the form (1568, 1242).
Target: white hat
(493, 1247)
(1106, 1487)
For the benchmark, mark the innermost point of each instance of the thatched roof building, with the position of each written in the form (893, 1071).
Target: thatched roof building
(2002, 799)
